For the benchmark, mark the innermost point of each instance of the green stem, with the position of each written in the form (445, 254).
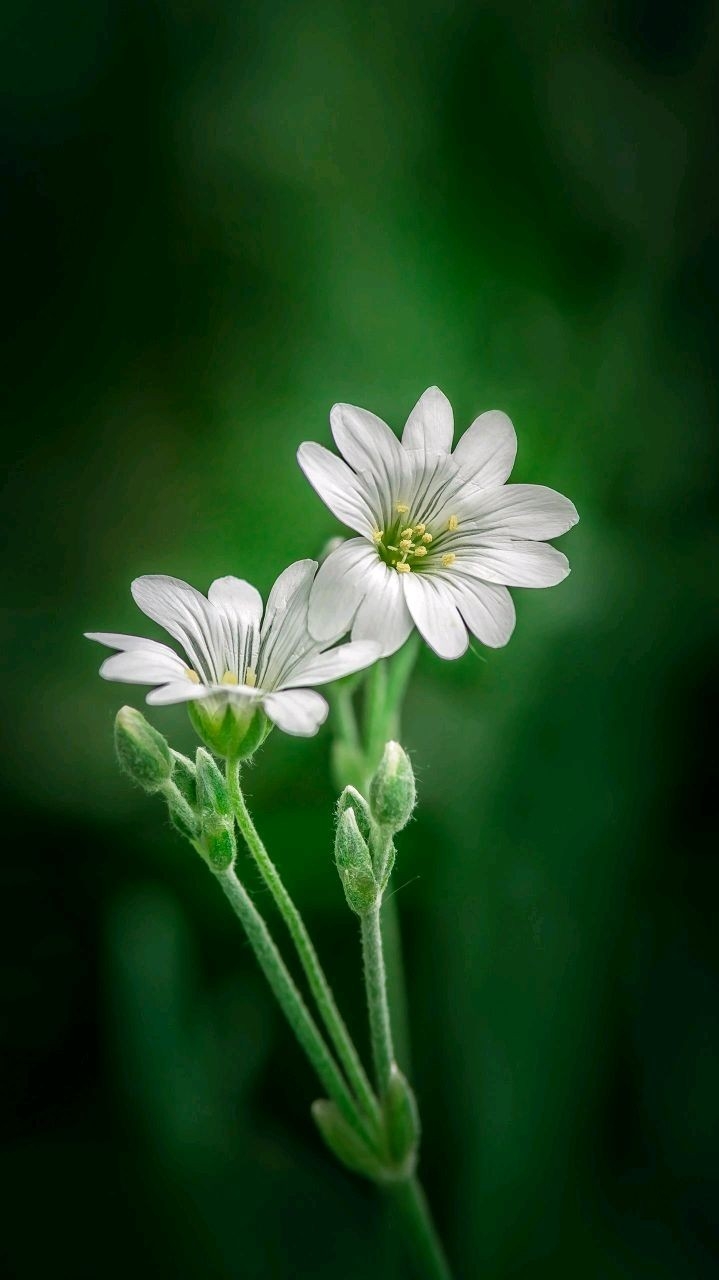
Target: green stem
(319, 986)
(377, 1006)
(428, 1250)
(343, 708)
(288, 997)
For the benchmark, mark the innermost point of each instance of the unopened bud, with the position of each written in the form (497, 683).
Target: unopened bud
(351, 799)
(142, 752)
(218, 840)
(392, 792)
(184, 777)
(354, 864)
(212, 795)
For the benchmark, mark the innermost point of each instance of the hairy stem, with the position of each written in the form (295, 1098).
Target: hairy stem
(377, 1006)
(319, 986)
(420, 1227)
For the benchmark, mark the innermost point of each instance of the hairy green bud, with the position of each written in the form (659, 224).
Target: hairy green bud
(351, 799)
(218, 841)
(212, 795)
(354, 864)
(345, 1143)
(184, 777)
(392, 792)
(142, 752)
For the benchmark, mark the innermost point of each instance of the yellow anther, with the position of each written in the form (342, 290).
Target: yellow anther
(406, 544)
(419, 529)
(250, 677)
(378, 535)
(448, 558)
(402, 508)
(427, 537)
(229, 678)
(452, 524)
(407, 533)
(402, 568)
(192, 675)
(420, 551)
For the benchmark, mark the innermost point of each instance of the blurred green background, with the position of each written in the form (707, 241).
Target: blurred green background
(218, 220)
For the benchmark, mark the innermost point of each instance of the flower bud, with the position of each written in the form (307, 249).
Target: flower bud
(401, 1121)
(351, 799)
(354, 864)
(218, 839)
(184, 777)
(142, 752)
(344, 1142)
(231, 728)
(392, 792)
(212, 796)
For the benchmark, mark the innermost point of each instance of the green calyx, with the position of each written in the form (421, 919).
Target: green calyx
(230, 728)
(392, 791)
(354, 864)
(142, 752)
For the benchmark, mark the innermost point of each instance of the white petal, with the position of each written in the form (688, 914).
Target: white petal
(239, 607)
(337, 486)
(333, 664)
(114, 640)
(178, 691)
(486, 451)
(285, 638)
(487, 609)
(341, 583)
(524, 511)
(364, 439)
(296, 711)
(513, 562)
(383, 615)
(430, 426)
(435, 614)
(188, 616)
(143, 666)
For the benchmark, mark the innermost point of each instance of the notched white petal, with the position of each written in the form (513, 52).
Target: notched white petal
(362, 438)
(435, 614)
(487, 450)
(332, 664)
(337, 486)
(142, 666)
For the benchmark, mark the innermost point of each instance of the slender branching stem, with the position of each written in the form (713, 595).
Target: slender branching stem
(319, 986)
(377, 1005)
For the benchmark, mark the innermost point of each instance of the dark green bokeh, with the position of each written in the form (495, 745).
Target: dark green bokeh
(221, 220)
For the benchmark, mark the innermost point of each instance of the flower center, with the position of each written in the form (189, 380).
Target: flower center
(405, 546)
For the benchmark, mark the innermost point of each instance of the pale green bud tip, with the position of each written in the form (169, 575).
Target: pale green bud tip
(351, 799)
(392, 791)
(354, 864)
(142, 752)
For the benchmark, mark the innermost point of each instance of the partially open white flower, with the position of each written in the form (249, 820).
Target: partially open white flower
(236, 658)
(442, 535)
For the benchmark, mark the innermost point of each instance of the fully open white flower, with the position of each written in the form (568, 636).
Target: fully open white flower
(442, 535)
(234, 655)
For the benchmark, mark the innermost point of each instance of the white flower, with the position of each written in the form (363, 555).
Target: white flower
(442, 535)
(234, 655)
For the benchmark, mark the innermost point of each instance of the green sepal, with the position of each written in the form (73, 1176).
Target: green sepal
(142, 753)
(354, 864)
(182, 815)
(345, 1143)
(402, 1123)
(230, 728)
(392, 791)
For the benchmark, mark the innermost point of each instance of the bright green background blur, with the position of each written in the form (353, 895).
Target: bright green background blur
(219, 221)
